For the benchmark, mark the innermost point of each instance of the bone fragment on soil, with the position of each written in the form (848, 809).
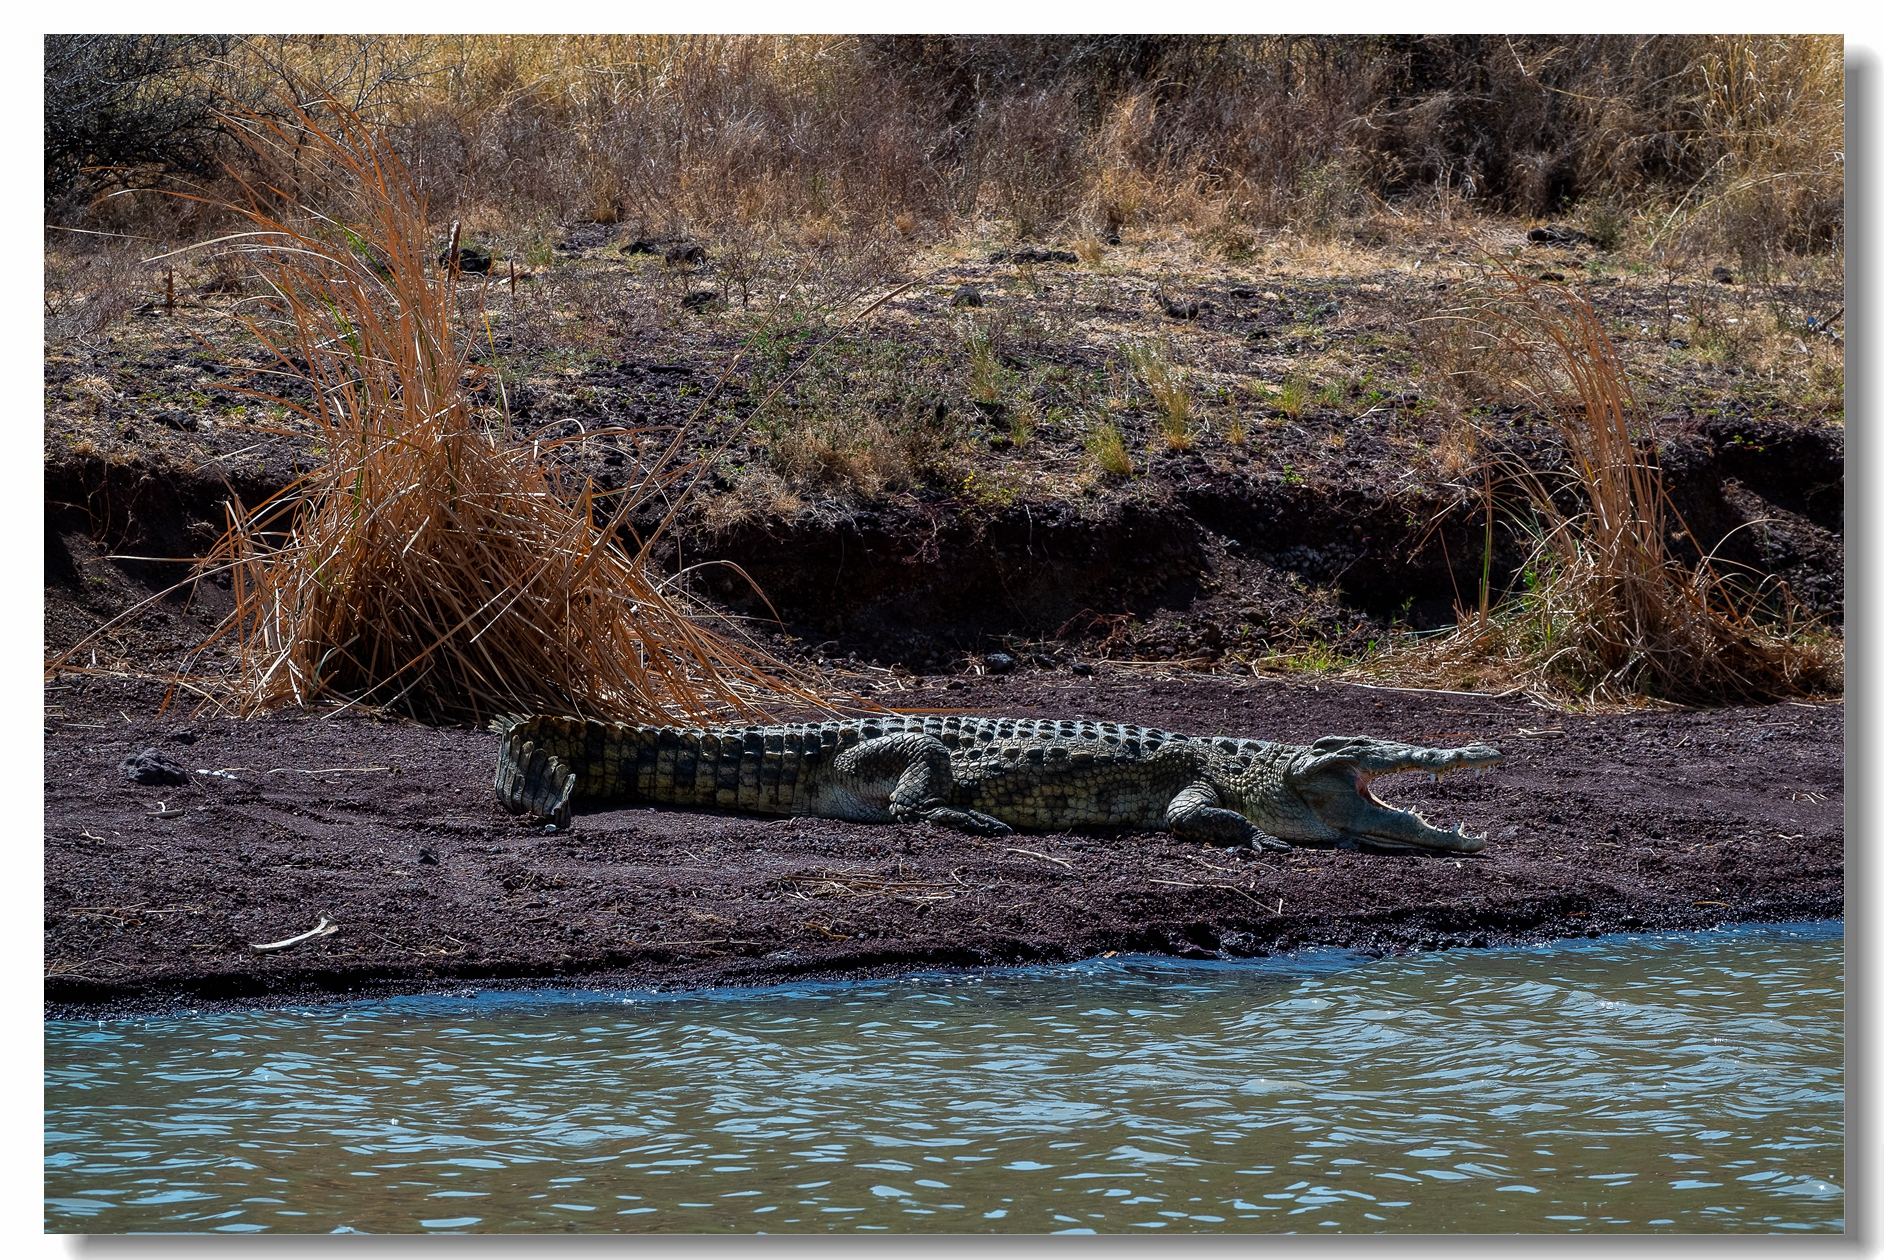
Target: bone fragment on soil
(323, 928)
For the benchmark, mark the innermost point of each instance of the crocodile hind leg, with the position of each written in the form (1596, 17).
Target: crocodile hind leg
(1195, 815)
(536, 782)
(913, 771)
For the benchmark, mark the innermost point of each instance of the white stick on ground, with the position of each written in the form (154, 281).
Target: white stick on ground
(323, 928)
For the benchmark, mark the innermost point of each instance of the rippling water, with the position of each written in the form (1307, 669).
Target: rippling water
(1629, 1083)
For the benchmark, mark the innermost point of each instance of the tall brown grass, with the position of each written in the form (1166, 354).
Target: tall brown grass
(1739, 138)
(1609, 612)
(429, 563)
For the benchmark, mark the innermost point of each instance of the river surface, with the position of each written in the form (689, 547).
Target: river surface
(1672, 1083)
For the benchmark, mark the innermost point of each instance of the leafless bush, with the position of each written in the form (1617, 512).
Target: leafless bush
(1029, 149)
(89, 289)
(121, 106)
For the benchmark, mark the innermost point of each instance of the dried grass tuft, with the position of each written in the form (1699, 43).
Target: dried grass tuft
(430, 563)
(1106, 445)
(855, 457)
(1608, 614)
(1154, 363)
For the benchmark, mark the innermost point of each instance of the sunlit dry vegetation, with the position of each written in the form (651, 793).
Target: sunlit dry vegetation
(1609, 608)
(1235, 256)
(427, 563)
(1679, 141)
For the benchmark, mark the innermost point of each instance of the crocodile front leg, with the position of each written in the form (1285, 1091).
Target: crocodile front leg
(1195, 815)
(912, 771)
(538, 783)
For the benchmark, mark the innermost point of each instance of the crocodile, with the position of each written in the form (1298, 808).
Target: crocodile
(989, 776)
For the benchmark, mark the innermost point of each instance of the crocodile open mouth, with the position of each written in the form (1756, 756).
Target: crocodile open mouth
(1335, 779)
(1403, 828)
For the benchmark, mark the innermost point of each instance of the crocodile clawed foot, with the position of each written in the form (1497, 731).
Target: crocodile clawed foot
(968, 820)
(541, 786)
(1262, 841)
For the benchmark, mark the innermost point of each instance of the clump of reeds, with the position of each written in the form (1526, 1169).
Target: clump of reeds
(1608, 613)
(429, 562)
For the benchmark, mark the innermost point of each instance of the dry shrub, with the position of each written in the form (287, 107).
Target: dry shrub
(1455, 455)
(1736, 138)
(856, 459)
(1609, 614)
(1461, 367)
(1128, 167)
(1031, 151)
(89, 290)
(1763, 126)
(758, 494)
(1233, 242)
(429, 563)
(766, 127)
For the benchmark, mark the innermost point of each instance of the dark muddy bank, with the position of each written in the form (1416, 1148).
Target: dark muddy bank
(1204, 558)
(1598, 824)
(1211, 558)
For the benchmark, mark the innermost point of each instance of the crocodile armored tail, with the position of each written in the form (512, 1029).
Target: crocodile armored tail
(988, 776)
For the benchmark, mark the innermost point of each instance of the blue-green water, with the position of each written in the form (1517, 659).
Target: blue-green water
(1629, 1083)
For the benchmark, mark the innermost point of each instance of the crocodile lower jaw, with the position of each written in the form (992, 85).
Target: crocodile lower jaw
(1390, 827)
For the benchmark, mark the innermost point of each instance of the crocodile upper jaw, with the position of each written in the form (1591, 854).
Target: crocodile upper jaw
(1334, 779)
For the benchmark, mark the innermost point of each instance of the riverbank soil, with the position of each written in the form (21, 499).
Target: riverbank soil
(389, 830)
(1207, 470)
(1293, 472)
